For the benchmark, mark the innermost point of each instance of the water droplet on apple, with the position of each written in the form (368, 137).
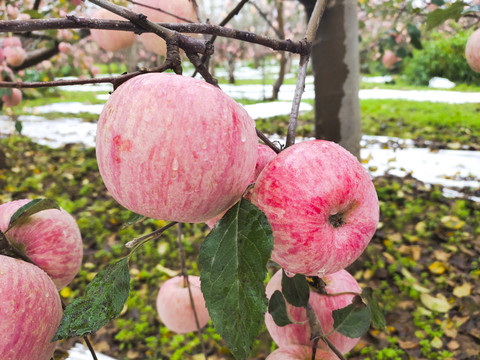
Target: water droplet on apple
(204, 145)
(289, 274)
(321, 273)
(243, 137)
(175, 164)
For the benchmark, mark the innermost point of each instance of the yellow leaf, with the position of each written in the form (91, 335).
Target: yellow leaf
(462, 290)
(65, 292)
(452, 222)
(438, 303)
(420, 227)
(437, 268)
(436, 342)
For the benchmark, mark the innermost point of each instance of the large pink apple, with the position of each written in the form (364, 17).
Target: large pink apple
(472, 51)
(14, 55)
(50, 238)
(13, 99)
(321, 204)
(30, 311)
(111, 40)
(265, 154)
(300, 352)
(174, 306)
(389, 59)
(175, 148)
(323, 306)
(181, 8)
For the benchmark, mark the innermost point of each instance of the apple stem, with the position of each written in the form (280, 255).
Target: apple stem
(317, 332)
(90, 347)
(186, 282)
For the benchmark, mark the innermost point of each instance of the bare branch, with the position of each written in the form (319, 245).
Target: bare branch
(72, 22)
(302, 70)
(159, 10)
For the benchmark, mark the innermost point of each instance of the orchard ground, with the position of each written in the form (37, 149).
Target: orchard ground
(423, 260)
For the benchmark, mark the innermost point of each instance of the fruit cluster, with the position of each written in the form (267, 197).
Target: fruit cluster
(189, 158)
(30, 306)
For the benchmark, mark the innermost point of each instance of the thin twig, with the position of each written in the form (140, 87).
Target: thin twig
(141, 239)
(317, 332)
(302, 71)
(267, 141)
(181, 252)
(90, 347)
(159, 10)
(265, 17)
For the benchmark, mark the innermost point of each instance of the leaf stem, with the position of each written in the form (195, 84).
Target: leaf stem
(90, 347)
(138, 242)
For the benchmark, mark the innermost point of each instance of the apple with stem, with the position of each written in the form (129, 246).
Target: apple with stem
(111, 40)
(472, 51)
(300, 352)
(321, 204)
(30, 311)
(174, 306)
(50, 238)
(341, 283)
(183, 9)
(175, 148)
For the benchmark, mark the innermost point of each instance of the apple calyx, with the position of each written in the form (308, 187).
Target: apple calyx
(337, 220)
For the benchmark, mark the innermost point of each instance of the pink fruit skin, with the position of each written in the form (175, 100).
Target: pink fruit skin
(30, 311)
(300, 190)
(12, 41)
(50, 238)
(389, 59)
(300, 352)
(181, 8)
(111, 40)
(265, 154)
(175, 148)
(472, 51)
(323, 306)
(13, 99)
(14, 55)
(174, 307)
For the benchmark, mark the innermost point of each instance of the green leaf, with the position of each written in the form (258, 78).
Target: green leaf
(353, 320)
(378, 319)
(277, 307)
(31, 208)
(295, 289)
(5, 91)
(18, 126)
(103, 301)
(415, 35)
(438, 2)
(133, 219)
(439, 16)
(474, 8)
(233, 259)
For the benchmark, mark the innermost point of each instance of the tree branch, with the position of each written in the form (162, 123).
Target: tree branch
(302, 70)
(73, 22)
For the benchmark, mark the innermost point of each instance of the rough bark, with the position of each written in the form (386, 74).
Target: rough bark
(335, 66)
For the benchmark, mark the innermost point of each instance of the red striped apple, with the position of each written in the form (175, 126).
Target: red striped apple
(174, 306)
(321, 204)
(14, 55)
(181, 8)
(265, 154)
(50, 238)
(111, 40)
(472, 51)
(30, 311)
(323, 306)
(175, 148)
(300, 352)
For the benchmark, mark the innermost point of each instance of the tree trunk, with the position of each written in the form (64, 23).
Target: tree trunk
(335, 64)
